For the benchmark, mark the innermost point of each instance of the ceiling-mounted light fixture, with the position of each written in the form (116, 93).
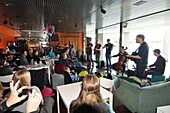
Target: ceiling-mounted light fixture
(125, 24)
(102, 10)
(5, 22)
(140, 2)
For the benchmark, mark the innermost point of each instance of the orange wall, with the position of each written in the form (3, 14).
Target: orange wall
(75, 38)
(7, 35)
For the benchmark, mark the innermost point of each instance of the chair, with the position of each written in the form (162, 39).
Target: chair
(57, 80)
(67, 78)
(59, 67)
(106, 83)
(6, 80)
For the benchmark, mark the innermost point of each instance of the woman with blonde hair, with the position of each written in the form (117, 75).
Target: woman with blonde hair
(90, 95)
(25, 80)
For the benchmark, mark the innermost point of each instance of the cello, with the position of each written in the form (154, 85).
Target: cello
(122, 58)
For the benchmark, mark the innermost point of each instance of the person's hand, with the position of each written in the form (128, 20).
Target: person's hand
(148, 68)
(13, 98)
(111, 57)
(33, 102)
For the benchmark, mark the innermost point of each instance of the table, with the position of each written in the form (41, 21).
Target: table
(71, 92)
(163, 109)
(38, 67)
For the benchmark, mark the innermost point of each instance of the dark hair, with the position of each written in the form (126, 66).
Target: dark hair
(141, 36)
(22, 52)
(157, 51)
(85, 108)
(2, 61)
(34, 52)
(1, 51)
(108, 40)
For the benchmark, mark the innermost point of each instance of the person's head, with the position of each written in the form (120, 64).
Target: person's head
(24, 53)
(42, 50)
(71, 49)
(97, 41)
(30, 51)
(51, 49)
(2, 62)
(69, 42)
(140, 38)
(156, 52)
(36, 52)
(108, 41)
(121, 48)
(67, 69)
(90, 91)
(89, 41)
(66, 50)
(24, 77)
(1, 51)
(63, 56)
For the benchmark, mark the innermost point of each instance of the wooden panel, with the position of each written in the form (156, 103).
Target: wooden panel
(7, 35)
(75, 38)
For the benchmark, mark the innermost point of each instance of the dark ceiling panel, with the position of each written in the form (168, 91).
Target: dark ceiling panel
(64, 14)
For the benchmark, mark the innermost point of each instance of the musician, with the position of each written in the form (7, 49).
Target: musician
(158, 67)
(141, 57)
(97, 52)
(109, 48)
(122, 58)
(89, 53)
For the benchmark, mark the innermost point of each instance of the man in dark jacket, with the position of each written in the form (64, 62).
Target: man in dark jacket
(158, 67)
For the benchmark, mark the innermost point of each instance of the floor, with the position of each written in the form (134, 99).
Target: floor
(118, 108)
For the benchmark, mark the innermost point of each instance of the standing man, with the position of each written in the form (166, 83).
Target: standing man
(141, 56)
(109, 48)
(158, 67)
(89, 53)
(97, 52)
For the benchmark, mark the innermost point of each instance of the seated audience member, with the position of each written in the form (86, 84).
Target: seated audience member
(158, 67)
(90, 95)
(63, 60)
(58, 45)
(73, 75)
(35, 56)
(4, 70)
(71, 54)
(42, 53)
(34, 99)
(66, 51)
(25, 80)
(30, 55)
(48, 100)
(23, 59)
(51, 53)
(74, 59)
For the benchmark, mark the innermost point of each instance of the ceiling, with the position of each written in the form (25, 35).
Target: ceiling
(34, 15)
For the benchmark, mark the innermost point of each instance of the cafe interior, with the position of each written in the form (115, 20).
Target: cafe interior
(56, 51)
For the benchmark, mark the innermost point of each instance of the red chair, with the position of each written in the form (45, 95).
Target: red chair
(69, 60)
(59, 68)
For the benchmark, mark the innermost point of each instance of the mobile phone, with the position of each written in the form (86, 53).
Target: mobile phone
(25, 92)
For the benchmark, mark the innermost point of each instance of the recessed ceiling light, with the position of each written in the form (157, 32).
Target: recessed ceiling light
(8, 4)
(140, 2)
(59, 21)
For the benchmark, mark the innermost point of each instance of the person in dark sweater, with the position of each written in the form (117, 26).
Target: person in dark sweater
(35, 56)
(158, 67)
(141, 56)
(30, 55)
(4, 70)
(42, 53)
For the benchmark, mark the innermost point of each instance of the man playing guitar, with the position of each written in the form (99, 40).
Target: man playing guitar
(97, 52)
